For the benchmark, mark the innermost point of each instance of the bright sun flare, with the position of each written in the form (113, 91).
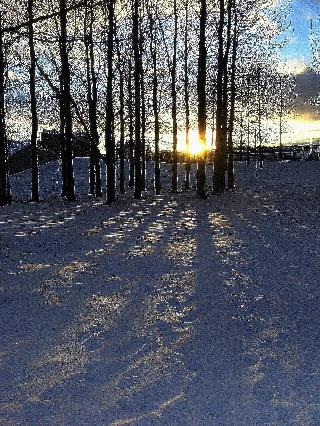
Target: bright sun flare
(195, 146)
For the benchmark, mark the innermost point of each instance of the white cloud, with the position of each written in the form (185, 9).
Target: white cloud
(293, 66)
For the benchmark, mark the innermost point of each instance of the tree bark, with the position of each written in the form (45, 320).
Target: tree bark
(66, 104)
(109, 128)
(219, 157)
(137, 100)
(225, 113)
(186, 99)
(174, 187)
(62, 141)
(95, 184)
(202, 101)
(232, 104)
(280, 121)
(34, 113)
(5, 197)
(248, 120)
(153, 51)
(122, 125)
(259, 118)
(143, 112)
(131, 126)
(241, 137)
(122, 136)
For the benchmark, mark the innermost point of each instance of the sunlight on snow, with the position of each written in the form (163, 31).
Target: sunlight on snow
(181, 246)
(162, 325)
(53, 288)
(155, 413)
(59, 363)
(266, 348)
(33, 267)
(166, 327)
(149, 240)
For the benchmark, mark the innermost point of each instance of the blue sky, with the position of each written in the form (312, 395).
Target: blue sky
(297, 54)
(302, 12)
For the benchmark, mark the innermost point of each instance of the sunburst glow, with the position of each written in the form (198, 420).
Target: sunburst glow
(196, 147)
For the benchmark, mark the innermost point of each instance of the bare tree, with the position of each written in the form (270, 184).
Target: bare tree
(121, 72)
(137, 98)
(186, 95)
(109, 128)
(5, 197)
(65, 101)
(155, 105)
(143, 108)
(231, 179)
(174, 186)
(219, 159)
(34, 112)
(131, 125)
(202, 100)
(92, 99)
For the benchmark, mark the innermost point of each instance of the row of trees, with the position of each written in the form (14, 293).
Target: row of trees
(131, 72)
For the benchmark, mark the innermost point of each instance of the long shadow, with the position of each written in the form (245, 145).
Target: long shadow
(256, 354)
(215, 394)
(287, 268)
(150, 380)
(181, 321)
(24, 335)
(82, 339)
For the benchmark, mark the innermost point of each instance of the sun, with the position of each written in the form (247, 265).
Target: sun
(195, 146)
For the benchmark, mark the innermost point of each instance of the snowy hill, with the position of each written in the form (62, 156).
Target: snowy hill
(273, 173)
(50, 178)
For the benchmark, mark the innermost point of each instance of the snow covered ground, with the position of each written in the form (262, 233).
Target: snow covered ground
(165, 311)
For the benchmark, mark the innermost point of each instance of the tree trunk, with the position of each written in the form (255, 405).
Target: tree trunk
(5, 197)
(259, 118)
(232, 105)
(202, 101)
(66, 102)
(241, 137)
(153, 51)
(214, 100)
(143, 113)
(121, 117)
(225, 84)
(280, 121)
(34, 113)
(248, 143)
(186, 100)
(87, 40)
(62, 142)
(131, 127)
(137, 100)
(174, 186)
(95, 184)
(122, 136)
(109, 129)
(219, 157)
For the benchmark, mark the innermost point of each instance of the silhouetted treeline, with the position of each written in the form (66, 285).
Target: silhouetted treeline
(126, 73)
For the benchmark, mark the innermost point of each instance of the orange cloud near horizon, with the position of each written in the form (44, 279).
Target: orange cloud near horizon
(302, 130)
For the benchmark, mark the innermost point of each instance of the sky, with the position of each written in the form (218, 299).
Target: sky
(297, 55)
(302, 12)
